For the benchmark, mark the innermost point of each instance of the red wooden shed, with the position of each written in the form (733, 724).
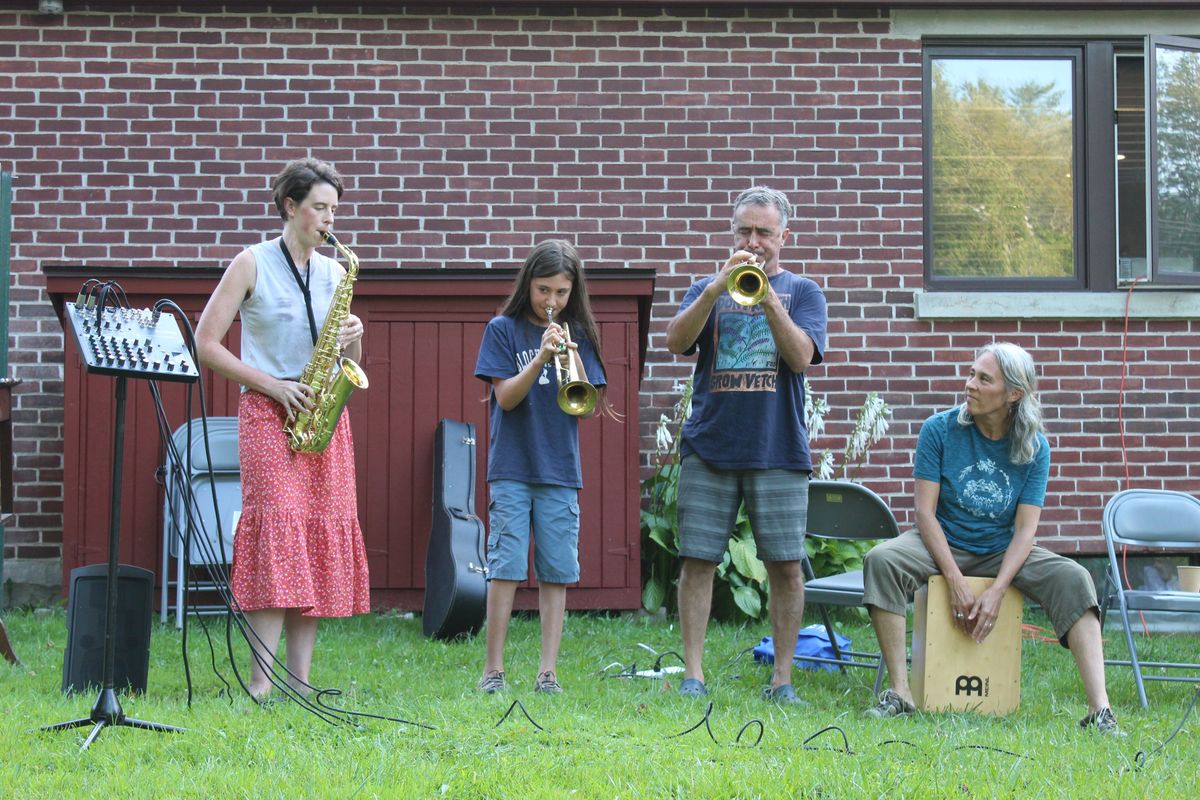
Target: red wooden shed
(423, 333)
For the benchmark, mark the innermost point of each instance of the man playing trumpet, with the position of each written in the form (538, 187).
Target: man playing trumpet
(746, 438)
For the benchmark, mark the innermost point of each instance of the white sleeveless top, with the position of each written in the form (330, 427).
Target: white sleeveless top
(275, 333)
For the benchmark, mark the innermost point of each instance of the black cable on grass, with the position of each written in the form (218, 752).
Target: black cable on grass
(993, 749)
(517, 704)
(886, 742)
(703, 722)
(320, 700)
(631, 671)
(1142, 757)
(845, 742)
(761, 730)
(658, 661)
(708, 727)
(738, 657)
(626, 672)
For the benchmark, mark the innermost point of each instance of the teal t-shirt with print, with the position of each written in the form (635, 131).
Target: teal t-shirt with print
(980, 487)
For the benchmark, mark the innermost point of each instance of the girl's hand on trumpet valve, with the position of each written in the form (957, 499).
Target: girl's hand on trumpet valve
(554, 343)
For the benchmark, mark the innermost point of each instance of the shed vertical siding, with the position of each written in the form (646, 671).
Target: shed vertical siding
(421, 344)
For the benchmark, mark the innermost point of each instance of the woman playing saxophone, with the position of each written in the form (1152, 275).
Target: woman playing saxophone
(298, 550)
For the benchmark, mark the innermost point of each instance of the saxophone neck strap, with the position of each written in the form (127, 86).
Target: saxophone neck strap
(303, 283)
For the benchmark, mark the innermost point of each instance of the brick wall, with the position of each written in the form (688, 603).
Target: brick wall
(149, 136)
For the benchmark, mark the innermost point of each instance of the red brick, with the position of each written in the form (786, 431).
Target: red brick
(469, 136)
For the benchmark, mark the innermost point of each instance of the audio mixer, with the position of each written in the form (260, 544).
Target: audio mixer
(130, 342)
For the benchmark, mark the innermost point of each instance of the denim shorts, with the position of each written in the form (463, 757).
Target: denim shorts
(708, 501)
(554, 513)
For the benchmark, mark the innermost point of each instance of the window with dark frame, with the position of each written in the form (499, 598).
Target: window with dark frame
(1044, 171)
(1173, 70)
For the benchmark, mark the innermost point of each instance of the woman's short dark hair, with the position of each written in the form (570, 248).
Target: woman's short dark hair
(296, 180)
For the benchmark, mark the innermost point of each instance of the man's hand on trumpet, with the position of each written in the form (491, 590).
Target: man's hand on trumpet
(738, 259)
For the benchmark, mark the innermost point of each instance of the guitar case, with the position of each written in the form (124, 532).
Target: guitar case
(455, 564)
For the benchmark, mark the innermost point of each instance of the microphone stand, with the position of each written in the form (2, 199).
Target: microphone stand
(107, 711)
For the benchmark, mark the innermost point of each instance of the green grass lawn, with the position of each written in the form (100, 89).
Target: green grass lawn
(603, 738)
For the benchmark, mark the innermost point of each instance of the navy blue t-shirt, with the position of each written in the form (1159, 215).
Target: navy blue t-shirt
(980, 487)
(747, 404)
(535, 442)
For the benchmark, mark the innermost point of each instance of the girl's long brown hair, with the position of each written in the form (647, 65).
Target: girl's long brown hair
(558, 257)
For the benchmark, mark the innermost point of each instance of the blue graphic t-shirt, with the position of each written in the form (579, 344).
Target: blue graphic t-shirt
(980, 487)
(536, 442)
(747, 404)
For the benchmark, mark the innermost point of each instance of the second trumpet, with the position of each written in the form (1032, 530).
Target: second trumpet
(576, 396)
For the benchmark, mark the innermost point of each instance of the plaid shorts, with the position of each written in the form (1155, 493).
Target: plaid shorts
(776, 502)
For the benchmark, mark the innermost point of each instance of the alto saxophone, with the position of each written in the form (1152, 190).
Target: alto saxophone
(331, 375)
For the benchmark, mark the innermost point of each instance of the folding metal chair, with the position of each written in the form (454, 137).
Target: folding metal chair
(847, 511)
(225, 477)
(1149, 518)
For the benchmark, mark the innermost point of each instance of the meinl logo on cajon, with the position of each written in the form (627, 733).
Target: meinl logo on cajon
(969, 685)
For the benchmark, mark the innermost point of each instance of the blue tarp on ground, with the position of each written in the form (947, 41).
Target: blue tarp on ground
(812, 641)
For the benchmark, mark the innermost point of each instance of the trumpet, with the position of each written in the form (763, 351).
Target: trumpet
(576, 396)
(747, 284)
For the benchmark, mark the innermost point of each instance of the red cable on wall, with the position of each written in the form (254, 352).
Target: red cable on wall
(1121, 390)
(1121, 431)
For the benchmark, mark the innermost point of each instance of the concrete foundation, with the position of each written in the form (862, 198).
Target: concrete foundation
(35, 583)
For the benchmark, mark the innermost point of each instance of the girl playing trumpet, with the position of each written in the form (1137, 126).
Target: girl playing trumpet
(534, 475)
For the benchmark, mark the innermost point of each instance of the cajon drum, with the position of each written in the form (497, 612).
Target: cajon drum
(950, 672)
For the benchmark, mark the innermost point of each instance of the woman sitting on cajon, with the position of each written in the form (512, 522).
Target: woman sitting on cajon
(980, 475)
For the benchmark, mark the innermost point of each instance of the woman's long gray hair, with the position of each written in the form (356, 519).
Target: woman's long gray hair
(1016, 367)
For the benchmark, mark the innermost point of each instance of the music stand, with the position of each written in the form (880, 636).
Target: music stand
(123, 343)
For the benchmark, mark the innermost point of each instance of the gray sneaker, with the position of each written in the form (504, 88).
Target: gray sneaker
(1104, 721)
(890, 704)
(493, 682)
(547, 683)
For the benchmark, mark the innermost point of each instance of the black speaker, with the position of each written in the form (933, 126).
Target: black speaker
(83, 662)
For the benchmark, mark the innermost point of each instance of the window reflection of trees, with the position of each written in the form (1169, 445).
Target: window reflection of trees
(1177, 138)
(1003, 194)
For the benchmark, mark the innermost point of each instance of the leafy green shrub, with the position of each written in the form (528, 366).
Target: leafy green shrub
(831, 556)
(740, 589)
(660, 520)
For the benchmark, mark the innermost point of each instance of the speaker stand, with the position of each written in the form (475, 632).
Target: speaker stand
(107, 711)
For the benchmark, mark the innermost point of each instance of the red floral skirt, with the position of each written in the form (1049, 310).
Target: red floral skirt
(298, 543)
